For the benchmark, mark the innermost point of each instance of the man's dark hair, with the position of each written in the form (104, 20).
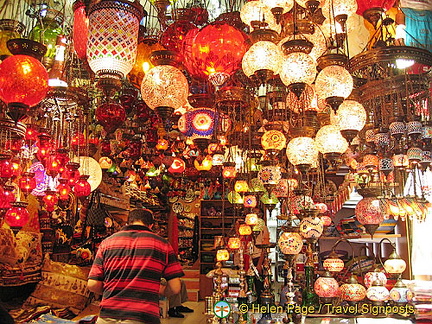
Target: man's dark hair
(141, 214)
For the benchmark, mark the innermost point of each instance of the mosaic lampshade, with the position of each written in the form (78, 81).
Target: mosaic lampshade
(326, 287)
(255, 11)
(302, 151)
(333, 81)
(270, 174)
(351, 115)
(113, 37)
(373, 276)
(333, 264)
(262, 55)
(400, 293)
(273, 140)
(290, 243)
(377, 292)
(250, 201)
(352, 292)
(165, 86)
(311, 228)
(397, 129)
(298, 67)
(368, 212)
(330, 140)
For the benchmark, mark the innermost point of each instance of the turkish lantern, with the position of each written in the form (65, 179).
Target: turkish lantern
(352, 291)
(71, 173)
(326, 287)
(177, 166)
(82, 187)
(217, 51)
(7, 196)
(172, 37)
(234, 243)
(110, 116)
(245, 229)
(113, 38)
(164, 89)
(222, 255)
(23, 78)
(63, 189)
(369, 212)
(6, 168)
(17, 215)
(27, 183)
(50, 199)
(80, 29)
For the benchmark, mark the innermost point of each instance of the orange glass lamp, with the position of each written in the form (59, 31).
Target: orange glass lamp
(222, 255)
(352, 291)
(234, 243)
(250, 201)
(241, 186)
(245, 229)
(229, 170)
(251, 219)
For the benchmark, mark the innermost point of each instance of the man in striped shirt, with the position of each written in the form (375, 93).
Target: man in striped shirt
(127, 271)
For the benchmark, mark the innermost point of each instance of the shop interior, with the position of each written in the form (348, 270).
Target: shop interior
(307, 120)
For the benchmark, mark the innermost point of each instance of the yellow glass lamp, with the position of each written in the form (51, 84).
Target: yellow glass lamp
(251, 219)
(234, 243)
(245, 229)
(241, 186)
(222, 255)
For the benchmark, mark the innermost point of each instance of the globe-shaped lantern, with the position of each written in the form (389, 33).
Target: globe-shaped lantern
(251, 219)
(377, 293)
(164, 89)
(113, 39)
(351, 118)
(311, 228)
(263, 59)
(245, 229)
(177, 166)
(333, 263)
(200, 123)
(334, 83)
(352, 291)
(368, 212)
(298, 69)
(372, 276)
(330, 142)
(302, 152)
(273, 141)
(23, 78)
(217, 51)
(270, 174)
(27, 182)
(110, 116)
(254, 11)
(82, 187)
(172, 37)
(326, 287)
(394, 265)
(17, 215)
(400, 293)
(290, 243)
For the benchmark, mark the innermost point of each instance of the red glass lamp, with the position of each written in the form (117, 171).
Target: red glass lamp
(177, 166)
(50, 199)
(27, 183)
(80, 29)
(217, 51)
(63, 189)
(369, 213)
(82, 188)
(7, 197)
(23, 78)
(6, 168)
(72, 173)
(17, 215)
(110, 116)
(173, 35)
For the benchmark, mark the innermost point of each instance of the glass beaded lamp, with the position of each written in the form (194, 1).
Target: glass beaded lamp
(351, 118)
(377, 293)
(23, 78)
(368, 212)
(80, 29)
(400, 293)
(254, 11)
(352, 291)
(113, 39)
(263, 59)
(330, 142)
(273, 140)
(302, 152)
(290, 243)
(17, 215)
(9, 29)
(164, 89)
(251, 219)
(372, 276)
(110, 116)
(250, 201)
(311, 228)
(297, 70)
(334, 84)
(326, 287)
(270, 174)
(217, 51)
(333, 263)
